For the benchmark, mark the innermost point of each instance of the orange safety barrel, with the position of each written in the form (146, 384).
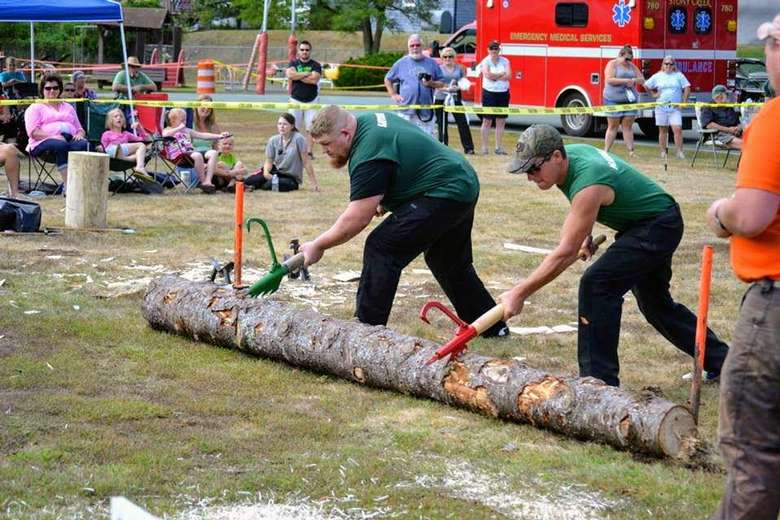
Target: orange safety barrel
(206, 77)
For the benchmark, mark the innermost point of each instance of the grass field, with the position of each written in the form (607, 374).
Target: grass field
(93, 403)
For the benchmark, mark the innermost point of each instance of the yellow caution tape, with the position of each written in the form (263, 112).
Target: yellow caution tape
(259, 105)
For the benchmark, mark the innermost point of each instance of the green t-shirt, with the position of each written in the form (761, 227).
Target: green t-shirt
(228, 158)
(139, 79)
(425, 166)
(637, 197)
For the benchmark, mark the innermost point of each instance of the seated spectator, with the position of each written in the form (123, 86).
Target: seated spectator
(54, 126)
(121, 144)
(285, 157)
(229, 169)
(140, 83)
(8, 123)
(181, 152)
(69, 90)
(10, 158)
(206, 122)
(723, 119)
(11, 76)
(80, 81)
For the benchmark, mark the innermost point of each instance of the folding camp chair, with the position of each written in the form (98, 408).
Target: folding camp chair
(708, 137)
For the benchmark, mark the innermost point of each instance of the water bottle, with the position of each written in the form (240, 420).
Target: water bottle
(275, 183)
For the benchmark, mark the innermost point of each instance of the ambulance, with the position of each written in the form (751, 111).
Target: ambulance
(558, 49)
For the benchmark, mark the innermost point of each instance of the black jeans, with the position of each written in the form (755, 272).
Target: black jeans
(460, 120)
(640, 260)
(441, 229)
(750, 409)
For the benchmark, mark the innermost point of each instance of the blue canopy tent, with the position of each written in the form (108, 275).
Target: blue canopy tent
(65, 11)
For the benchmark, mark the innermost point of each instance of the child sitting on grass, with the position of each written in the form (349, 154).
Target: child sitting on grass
(181, 152)
(121, 144)
(229, 169)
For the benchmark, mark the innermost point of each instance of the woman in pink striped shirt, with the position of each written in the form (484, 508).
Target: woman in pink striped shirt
(53, 126)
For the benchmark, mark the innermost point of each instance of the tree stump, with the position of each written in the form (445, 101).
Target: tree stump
(86, 202)
(584, 408)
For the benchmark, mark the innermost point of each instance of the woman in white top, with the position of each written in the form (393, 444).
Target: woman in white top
(669, 86)
(496, 72)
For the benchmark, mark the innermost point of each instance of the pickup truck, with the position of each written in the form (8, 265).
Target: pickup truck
(106, 77)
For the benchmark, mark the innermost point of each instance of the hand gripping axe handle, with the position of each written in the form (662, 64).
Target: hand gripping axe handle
(465, 333)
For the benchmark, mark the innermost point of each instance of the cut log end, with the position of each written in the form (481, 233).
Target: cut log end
(675, 431)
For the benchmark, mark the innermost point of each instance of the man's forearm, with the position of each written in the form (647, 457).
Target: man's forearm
(553, 265)
(344, 229)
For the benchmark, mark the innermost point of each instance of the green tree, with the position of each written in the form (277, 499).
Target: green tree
(368, 16)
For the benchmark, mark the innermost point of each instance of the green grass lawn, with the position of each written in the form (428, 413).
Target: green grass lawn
(93, 403)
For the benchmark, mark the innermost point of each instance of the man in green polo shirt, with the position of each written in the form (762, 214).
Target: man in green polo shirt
(140, 83)
(431, 192)
(603, 188)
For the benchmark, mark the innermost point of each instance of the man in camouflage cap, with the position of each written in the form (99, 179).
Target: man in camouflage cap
(605, 189)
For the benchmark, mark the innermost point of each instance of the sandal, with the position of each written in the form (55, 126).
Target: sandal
(208, 189)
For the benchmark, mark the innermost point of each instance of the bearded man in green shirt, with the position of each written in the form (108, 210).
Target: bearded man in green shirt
(430, 192)
(603, 188)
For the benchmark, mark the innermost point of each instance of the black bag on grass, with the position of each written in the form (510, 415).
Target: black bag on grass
(19, 215)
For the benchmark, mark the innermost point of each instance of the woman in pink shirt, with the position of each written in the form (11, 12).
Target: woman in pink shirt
(53, 126)
(122, 144)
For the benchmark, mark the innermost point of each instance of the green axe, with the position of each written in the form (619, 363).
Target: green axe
(270, 282)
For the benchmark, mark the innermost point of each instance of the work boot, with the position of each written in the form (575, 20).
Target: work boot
(707, 377)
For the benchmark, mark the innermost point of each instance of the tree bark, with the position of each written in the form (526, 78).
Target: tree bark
(583, 408)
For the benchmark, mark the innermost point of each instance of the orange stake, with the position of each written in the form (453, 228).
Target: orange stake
(239, 234)
(701, 330)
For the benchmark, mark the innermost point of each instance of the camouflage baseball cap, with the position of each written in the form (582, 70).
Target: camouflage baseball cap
(535, 141)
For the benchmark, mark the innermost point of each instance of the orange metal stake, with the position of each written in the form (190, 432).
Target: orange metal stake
(701, 330)
(239, 234)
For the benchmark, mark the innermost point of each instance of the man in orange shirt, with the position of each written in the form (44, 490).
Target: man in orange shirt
(750, 379)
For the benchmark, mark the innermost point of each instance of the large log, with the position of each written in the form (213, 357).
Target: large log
(584, 408)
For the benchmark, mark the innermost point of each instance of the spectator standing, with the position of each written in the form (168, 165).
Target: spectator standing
(305, 75)
(669, 86)
(285, 157)
(452, 73)
(723, 119)
(496, 73)
(749, 414)
(417, 75)
(621, 78)
(80, 81)
(54, 126)
(140, 83)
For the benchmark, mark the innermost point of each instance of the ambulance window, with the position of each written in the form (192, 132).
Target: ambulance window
(465, 42)
(571, 15)
(678, 20)
(702, 20)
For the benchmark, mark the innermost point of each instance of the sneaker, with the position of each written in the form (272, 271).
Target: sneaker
(663, 154)
(469, 152)
(500, 151)
(680, 155)
(707, 377)
(503, 332)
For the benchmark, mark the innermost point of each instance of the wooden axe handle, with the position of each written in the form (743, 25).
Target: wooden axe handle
(294, 263)
(595, 243)
(488, 319)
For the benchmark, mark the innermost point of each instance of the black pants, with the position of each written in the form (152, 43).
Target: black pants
(439, 228)
(640, 260)
(460, 120)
